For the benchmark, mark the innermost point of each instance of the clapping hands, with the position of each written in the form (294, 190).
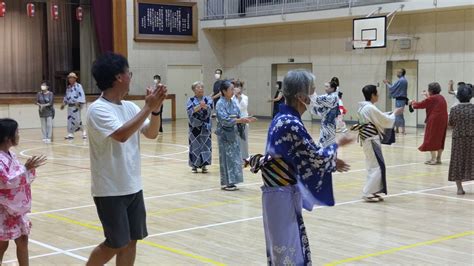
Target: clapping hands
(155, 97)
(35, 162)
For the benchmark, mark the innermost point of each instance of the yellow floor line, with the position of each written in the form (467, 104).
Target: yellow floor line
(197, 257)
(145, 242)
(393, 250)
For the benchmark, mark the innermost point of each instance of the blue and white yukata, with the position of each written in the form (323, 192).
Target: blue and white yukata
(326, 106)
(227, 132)
(295, 174)
(200, 128)
(74, 99)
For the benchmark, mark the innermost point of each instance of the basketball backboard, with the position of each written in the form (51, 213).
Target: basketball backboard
(371, 30)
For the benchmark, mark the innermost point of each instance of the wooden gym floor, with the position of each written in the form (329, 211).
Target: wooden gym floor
(192, 222)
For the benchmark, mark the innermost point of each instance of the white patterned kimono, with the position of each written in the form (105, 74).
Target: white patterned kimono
(376, 172)
(327, 107)
(243, 103)
(74, 99)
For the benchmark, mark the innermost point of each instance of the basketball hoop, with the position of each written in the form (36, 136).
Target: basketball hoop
(360, 45)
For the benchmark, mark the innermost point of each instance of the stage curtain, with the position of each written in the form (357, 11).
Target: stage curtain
(59, 45)
(89, 48)
(102, 16)
(21, 49)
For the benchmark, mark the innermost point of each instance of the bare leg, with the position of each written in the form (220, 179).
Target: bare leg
(460, 188)
(126, 256)
(432, 161)
(3, 248)
(101, 255)
(402, 130)
(438, 158)
(22, 250)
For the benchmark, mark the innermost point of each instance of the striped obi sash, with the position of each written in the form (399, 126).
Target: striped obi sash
(365, 130)
(275, 172)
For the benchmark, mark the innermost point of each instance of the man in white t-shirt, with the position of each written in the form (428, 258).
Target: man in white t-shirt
(114, 141)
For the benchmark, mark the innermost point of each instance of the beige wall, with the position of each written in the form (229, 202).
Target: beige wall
(445, 51)
(147, 59)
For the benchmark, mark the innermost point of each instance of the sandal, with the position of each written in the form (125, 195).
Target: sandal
(379, 198)
(370, 199)
(194, 170)
(430, 162)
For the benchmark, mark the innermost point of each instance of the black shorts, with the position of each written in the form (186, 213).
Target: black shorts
(123, 218)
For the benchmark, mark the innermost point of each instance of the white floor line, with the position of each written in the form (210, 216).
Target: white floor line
(251, 218)
(198, 191)
(443, 196)
(205, 226)
(146, 198)
(61, 251)
(36, 256)
(337, 204)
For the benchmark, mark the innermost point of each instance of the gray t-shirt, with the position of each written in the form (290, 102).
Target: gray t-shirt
(47, 102)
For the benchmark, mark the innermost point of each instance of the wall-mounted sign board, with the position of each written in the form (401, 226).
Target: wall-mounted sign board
(165, 21)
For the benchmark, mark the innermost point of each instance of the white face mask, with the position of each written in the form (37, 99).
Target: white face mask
(155, 81)
(217, 76)
(43, 87)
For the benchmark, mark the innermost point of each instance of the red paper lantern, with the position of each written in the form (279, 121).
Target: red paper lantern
(3, 9)
(55, 11)
(79, 13)
(30, 10)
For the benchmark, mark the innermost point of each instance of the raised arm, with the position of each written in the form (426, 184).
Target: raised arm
(423, 104)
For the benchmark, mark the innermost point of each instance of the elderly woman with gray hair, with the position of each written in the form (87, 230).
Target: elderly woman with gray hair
(461, 118)
(297, 174)
(199, 109)
(436, 122)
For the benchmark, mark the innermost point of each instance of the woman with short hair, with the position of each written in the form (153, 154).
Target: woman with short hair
(199, 109)
(436, 122)
(296, 172)
(45, 102)
(461, 118)
(229, 120)
(242, 102)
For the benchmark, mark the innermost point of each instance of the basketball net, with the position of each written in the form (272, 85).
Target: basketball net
(360, 45)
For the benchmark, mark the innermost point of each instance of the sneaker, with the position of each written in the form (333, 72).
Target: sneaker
(204, 170)
(194, 170)
(47, 141)
(44, 140)
(69, 136)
